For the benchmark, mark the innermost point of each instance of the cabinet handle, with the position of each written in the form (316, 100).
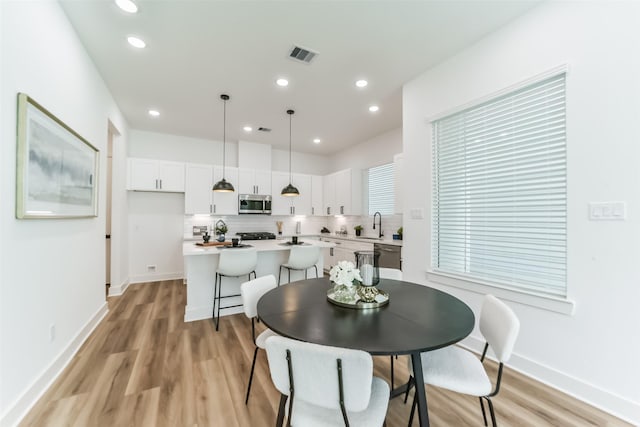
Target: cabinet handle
(214, 208)
(341, 210)
(313, 210)
(161, 184)
(210, 208)
(156, 184)
(294, 210)
(331, 251)
(328, 211)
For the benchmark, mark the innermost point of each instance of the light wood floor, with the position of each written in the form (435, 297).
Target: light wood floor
(143, 366)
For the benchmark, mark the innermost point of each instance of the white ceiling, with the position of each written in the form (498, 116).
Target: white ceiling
(197, 50)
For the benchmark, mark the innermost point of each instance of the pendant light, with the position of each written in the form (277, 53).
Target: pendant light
(290, 190)
(223, 186)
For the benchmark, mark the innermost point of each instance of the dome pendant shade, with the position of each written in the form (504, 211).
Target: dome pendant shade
(290, 190)
(223, 186)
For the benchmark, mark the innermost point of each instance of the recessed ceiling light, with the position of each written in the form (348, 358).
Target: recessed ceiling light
(374, 108)
(282, 82)
(362, 83)
(136, 42)
(316, 141)
(247, 128)
(127, 6)
(154, 113)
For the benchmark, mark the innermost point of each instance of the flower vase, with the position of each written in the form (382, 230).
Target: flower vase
(345, 294)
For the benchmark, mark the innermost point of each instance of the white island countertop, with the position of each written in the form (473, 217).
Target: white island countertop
(190, 248)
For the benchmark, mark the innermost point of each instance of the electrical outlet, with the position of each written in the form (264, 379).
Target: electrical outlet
(151, 268)
(52, 332)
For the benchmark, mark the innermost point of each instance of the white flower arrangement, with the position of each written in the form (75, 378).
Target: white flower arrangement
(344, 273)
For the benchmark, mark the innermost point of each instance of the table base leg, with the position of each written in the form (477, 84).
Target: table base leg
(421, 393)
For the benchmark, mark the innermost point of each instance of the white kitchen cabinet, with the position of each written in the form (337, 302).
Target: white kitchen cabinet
(397, 183)
(198, 194)
(344, 250)
(225, 203)
(254, 181)
(283, 205)
(329, 194)
(155, 175)
(199, 197)
(317, 196)
(343, 193)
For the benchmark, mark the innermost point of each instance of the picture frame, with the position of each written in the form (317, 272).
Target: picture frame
(56, 170)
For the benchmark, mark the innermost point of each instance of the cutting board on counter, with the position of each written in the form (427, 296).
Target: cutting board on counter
(212, 243)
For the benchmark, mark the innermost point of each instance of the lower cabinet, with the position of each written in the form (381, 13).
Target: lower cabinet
(345, 250)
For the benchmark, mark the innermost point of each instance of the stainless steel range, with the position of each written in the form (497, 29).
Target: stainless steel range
(256, 235)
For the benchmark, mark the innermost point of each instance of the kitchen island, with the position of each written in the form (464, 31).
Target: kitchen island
(201, 263)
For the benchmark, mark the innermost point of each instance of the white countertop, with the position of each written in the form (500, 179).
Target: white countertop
(190, 248)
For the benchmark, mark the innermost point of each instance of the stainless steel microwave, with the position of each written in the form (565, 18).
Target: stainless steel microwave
(254, 204)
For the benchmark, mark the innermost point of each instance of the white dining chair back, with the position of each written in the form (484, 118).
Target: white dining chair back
(499, 326)
(237, 262)
(390, 273)
(251, 292)
(315, 380)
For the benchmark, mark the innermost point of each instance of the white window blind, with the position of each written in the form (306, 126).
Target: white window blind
(381, 190)
(499, 196)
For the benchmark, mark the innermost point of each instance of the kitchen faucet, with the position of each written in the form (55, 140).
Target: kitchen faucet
(380, 234)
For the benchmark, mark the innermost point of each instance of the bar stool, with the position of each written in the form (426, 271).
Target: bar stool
(232, 263)
(301, 258)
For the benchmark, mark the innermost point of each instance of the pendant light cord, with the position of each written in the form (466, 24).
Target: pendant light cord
(224, 136)
(290, 147)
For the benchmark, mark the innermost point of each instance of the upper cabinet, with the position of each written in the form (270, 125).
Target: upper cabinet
(397, 183)
(199, 197)
(317, 195)
(155, 175)
(298, 205)
(343, 193)
(225, 203)
(254, 181)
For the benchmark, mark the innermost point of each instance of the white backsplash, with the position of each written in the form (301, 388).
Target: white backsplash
(390, 225)
(309, 224)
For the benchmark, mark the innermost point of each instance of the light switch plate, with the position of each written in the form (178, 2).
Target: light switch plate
(607, 211)
(417, 213)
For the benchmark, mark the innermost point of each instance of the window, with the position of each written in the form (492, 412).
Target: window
(381, 190)
(499, 190)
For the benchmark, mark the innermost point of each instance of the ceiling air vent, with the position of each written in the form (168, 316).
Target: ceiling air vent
(261, 129)
(302, 54)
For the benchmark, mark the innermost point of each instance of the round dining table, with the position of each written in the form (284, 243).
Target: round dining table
(416, 319)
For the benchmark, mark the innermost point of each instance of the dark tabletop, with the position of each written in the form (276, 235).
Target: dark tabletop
(417, 318)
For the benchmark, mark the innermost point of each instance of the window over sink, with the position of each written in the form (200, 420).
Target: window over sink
(380, 189)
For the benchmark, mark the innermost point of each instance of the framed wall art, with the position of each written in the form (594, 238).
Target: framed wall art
(57, 169)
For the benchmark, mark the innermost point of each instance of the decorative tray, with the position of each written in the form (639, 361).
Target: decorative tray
(381, 299)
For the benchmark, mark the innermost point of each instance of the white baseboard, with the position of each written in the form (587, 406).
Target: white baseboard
(604, 400)
(116, 290)
(24, 403)
(155, 277)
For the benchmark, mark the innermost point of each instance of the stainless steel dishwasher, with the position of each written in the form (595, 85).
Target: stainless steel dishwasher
(389, 255)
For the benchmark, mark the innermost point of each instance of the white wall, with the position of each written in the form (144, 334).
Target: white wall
(593, 353)
(53, 271)
(312, 164)
(373, 152)
(156, 228)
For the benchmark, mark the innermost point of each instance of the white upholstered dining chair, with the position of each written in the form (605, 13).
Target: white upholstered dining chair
(392, 274)
(251, 292)
(459, 370)
(325, 386)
